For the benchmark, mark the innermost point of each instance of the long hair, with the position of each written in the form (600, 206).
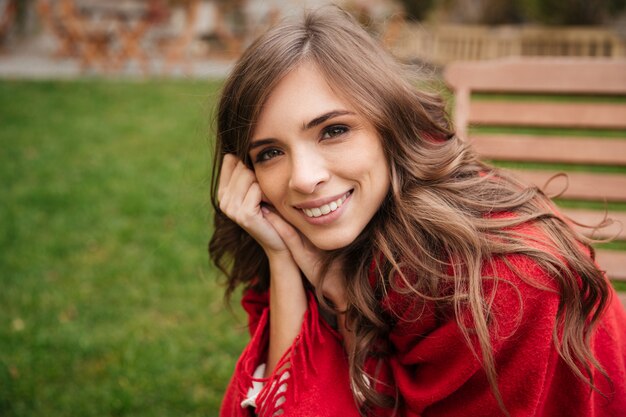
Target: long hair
(446, 216)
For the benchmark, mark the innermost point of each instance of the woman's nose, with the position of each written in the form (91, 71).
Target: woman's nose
(307, 172)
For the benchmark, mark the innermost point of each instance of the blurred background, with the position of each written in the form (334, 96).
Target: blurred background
(171, 37)
(108, 303)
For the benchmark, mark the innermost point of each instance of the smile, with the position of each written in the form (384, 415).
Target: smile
(326, 208)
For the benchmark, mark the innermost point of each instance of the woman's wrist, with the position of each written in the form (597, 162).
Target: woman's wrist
(284, 272)
(279, 257)
(288, 305)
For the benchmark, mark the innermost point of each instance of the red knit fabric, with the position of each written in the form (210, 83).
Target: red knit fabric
(318, 383)
(434, 370)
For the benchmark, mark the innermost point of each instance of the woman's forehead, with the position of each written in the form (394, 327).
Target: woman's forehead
(301, 96)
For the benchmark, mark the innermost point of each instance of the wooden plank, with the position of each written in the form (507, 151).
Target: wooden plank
(616, 231)
(613, 262)
(580, 185)
(541, 75)
(546, 114)
(551, 149)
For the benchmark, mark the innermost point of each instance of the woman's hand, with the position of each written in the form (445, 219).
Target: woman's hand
(309, 259)
(240, 198)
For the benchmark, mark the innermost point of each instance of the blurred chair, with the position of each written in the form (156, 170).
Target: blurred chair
(48, 13)
(133, 26)
(94, 39)
(216, 26)
(173, 39)
(79, 37)
(233, 27)
(8, 10)
(258, 21)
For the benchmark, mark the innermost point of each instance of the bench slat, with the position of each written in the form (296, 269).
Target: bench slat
(616, 230)
(540, 75)
(556, 76)
(551, 149)
(543, 114)
(582, 185)
(613, 262)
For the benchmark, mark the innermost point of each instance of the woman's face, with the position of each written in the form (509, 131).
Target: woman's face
(317, 161)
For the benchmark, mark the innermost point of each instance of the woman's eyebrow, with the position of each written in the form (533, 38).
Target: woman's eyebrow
(315, 122)
(321, 119)
(261, 142)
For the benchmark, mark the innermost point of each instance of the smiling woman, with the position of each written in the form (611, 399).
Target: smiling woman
(320, 164)
(386, 270)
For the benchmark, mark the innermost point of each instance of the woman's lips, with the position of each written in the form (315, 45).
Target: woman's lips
(326, 213)
(325, 209)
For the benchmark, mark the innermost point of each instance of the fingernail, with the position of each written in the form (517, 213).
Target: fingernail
(265, 210)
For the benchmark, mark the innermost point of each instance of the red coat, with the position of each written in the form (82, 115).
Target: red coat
(433, 369)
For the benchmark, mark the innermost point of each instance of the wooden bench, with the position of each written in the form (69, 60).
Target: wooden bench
(538, 112)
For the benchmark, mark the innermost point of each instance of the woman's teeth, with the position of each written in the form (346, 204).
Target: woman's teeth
(326, 208)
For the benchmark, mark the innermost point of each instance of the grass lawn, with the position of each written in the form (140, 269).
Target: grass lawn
(108, 304)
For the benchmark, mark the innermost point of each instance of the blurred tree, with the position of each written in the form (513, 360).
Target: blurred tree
(417, 9)
(495, 12)
(498, 12)
(571, 12)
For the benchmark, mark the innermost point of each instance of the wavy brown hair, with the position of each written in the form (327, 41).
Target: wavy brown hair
(446, 215)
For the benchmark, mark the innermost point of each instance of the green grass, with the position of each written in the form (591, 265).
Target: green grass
(109, 306)
(550, 131)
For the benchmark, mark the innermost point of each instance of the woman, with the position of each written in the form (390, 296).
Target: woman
(387, 271)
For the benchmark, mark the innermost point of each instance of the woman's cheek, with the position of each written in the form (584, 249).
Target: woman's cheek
(267, 190)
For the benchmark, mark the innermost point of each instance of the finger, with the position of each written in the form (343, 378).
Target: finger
(286, 231)
(253, 221)
(240, 182)
(250, 206)
(236, 189)
(228, 166)
(302, 250)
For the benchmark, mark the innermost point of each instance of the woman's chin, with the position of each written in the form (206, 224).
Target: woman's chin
(329, 243)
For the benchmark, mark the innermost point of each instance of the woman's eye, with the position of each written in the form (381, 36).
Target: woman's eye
(332, 131)
(267, 155)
